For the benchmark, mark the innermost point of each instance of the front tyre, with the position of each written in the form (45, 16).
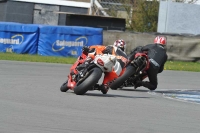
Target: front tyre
(64, 87)
(130, 70)
(92, 77)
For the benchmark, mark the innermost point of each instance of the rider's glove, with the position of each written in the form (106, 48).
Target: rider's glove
(85, 49)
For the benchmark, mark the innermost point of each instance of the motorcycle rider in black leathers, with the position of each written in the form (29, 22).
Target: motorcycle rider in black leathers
(157, 57)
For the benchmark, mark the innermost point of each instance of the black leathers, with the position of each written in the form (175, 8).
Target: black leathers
(157, 56)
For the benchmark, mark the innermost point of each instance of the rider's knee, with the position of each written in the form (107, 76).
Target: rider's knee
(153, 87)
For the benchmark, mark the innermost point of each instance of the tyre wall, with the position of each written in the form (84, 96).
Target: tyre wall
(179, 47)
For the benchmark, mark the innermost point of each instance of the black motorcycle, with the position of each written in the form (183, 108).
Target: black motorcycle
(135, 70)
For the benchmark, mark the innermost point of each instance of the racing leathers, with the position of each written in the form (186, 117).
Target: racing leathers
(118, 69)
(157, 56)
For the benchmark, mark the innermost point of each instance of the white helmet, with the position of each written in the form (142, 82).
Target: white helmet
(160, 40)
(120, 44)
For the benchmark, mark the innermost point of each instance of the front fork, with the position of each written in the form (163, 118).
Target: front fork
(71, 83)
(139, 64)
(73, 78)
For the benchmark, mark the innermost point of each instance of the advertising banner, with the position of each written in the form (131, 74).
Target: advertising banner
(67, 41)
(18, 38)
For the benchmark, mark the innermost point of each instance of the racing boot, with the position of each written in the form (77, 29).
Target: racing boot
(104, 88)
(96, 87)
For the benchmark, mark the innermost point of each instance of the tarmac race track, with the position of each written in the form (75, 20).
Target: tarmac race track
(31, 102)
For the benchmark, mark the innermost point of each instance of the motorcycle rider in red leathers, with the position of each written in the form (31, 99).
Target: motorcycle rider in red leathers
(117, 49)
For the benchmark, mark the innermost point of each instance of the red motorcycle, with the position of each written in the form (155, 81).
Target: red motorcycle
(135, 70)
(86, 79)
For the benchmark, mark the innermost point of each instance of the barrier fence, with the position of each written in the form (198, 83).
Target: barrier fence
(68, 41)
(47, 40)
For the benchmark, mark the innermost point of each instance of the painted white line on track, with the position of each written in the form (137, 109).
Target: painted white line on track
(180, 95)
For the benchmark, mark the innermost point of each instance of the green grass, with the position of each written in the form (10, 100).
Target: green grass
(36, 58)
(182, 66)
(170, 65)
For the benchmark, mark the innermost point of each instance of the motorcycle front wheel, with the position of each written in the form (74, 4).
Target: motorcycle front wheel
(130, 70)
(64, 87)
(91, 78)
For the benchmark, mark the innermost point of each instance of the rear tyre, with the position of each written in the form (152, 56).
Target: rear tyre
(64, 87)
(119, 81)
(92, 77)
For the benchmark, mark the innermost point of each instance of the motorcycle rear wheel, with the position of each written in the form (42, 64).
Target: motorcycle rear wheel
(130, 70)
(92, 77)
(64, 87)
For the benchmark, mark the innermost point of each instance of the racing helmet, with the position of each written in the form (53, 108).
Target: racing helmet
(120, 44)
(160, 40)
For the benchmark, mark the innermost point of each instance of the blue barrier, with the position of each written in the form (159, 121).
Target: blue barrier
(47, 40)
(67, 40)
(18, 38)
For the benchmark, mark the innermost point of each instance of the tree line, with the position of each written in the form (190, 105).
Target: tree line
(142, 15)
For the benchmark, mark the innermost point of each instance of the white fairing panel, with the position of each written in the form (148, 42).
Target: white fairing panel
(108, 60)
(117, 68)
